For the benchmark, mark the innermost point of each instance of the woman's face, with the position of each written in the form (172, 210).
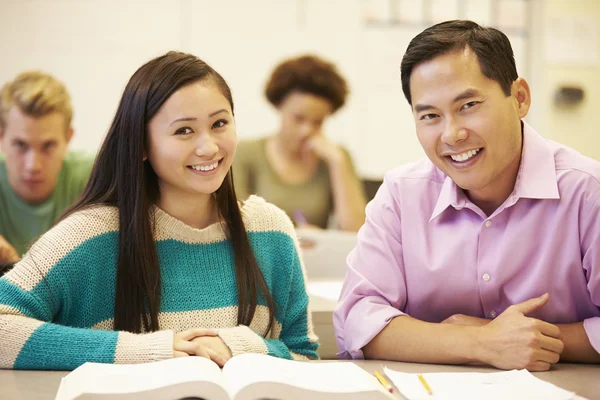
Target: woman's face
(192, 141)
(302, 116)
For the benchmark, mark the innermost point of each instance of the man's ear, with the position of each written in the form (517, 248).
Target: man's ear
(522, 93)
(70, 132)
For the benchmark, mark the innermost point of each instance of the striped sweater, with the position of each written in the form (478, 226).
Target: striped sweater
(57, 304)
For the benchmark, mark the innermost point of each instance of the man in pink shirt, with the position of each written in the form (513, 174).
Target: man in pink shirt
(488, 250)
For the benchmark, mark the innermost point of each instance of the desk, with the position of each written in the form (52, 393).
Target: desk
(321, 308)
(582, 379)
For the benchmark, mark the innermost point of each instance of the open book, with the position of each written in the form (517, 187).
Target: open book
(513, 385)
(244, 377)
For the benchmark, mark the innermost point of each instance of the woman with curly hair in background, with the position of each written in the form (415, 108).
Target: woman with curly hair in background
(298, 168)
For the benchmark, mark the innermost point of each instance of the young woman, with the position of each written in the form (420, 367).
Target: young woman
(298, 168)
(158, 259)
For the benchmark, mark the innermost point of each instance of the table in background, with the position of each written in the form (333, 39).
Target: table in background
(321, 307)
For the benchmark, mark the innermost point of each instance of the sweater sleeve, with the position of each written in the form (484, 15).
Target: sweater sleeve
(41, 295)
(292, 337)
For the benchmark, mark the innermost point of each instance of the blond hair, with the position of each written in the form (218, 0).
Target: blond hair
(36, 93)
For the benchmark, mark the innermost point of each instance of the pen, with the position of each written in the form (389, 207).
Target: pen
(425, 384)
(300, 218)
(384, 382)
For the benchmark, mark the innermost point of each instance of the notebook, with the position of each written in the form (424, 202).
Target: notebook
(244, 377)
(514, 385)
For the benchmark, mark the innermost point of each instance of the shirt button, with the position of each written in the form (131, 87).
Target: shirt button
(488, 224)
(493, 314)
(486, 277)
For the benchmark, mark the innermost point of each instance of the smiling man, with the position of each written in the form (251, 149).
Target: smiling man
(488, 250)
(38, 179)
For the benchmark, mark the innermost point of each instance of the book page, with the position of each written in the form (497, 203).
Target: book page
(504, 385)
(106, 379)
(338, 377)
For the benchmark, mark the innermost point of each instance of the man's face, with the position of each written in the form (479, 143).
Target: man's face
(467, 125)
(34, 149)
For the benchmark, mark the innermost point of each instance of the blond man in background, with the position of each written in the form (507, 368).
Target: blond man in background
(39, 179)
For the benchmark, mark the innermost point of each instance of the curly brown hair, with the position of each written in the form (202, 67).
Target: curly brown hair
(307, 74)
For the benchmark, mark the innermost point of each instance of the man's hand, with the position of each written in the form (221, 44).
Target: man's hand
(513, 340)
(187, 343)
(8, 254)
(461, 319)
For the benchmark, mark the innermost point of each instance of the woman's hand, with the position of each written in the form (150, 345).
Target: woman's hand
(188, 343)
(325, 149)
(215, 345)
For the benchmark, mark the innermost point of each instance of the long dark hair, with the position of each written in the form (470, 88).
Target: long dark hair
(121, 178)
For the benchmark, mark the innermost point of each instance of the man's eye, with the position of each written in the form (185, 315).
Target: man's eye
(469, 105)
(428, 117)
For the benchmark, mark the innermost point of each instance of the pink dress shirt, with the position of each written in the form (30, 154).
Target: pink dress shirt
(427, 251)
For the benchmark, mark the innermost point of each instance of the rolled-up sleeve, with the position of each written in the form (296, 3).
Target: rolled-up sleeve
(374, 290)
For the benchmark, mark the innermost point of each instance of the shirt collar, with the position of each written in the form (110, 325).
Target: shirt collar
(536, 178)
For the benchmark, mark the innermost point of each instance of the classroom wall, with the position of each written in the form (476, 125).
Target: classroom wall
(578, 126)
(95, 45)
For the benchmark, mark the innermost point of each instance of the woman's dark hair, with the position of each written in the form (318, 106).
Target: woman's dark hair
(121, 178)
(307, 74)
(492, 48)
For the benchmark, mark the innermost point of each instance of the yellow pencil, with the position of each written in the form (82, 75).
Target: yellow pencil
(384, 382)
(425, 384)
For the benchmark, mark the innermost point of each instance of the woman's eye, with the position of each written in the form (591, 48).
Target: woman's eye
(183, 131)
(220, 123)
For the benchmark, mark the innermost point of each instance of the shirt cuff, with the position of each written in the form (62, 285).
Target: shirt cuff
(592, 329)
(241, 339)
(364, 322)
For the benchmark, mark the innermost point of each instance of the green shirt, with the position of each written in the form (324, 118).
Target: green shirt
(22, 223)
(253, 174)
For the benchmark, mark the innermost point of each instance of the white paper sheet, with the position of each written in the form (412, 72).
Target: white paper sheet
(514, 385)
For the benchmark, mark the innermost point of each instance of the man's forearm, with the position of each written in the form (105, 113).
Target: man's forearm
(411, 340)
(577, 348)
(577, 344)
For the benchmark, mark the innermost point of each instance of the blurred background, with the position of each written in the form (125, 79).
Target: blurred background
(94, 46)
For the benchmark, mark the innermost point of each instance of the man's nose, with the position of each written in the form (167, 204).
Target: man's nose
(454, 133)
(33, 161)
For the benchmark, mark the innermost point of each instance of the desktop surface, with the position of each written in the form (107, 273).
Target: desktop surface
(582, 379)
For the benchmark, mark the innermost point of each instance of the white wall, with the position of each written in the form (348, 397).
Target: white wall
(576, 127)
(95, 45)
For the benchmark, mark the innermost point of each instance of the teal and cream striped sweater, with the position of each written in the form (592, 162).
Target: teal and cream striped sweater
(57, 304)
